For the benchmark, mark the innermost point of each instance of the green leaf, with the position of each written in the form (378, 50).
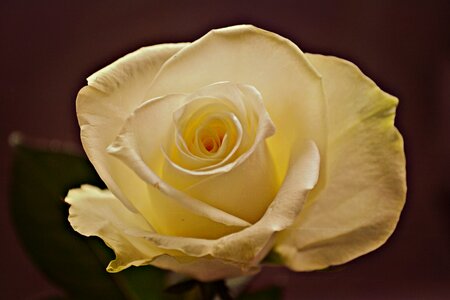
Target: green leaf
(40, 181)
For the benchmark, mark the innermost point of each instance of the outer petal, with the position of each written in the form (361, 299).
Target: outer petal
(359, 206)
(103, 105)
(204, 269)
(99, 213)
(94, 212)
(247, 247)
(291, 88)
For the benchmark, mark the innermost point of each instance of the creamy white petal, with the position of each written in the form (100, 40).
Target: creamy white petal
(94, 212)
(248, 246)
(103, 105)
(153, 118)
(245, 191)
(247, 185)
(290, 87)
(205, 268)
(246, 105)
(359, 206)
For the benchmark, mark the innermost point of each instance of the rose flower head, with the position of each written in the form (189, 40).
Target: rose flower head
(218, 151)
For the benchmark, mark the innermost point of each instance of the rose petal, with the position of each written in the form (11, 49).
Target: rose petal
(291, 88)
(99, 213)
(245, 191)
(248, 246)
(203, 269)
(102, 107)
(153, 118)
(94, 212)
(358, 208)
(246, 186)
(249, 109)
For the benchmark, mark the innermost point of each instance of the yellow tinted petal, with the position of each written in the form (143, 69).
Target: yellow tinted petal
(170, 210)
(358, 207)
(248, 246)
(205, 268)
(245, 186)
(290, 87)
(102, 107)
(94, 212)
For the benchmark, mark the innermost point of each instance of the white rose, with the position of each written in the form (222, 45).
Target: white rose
(218, 151)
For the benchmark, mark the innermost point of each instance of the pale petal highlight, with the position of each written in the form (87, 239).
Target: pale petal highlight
(290, 86)
(103, 105)
(130, 144)
(94, 212)
(359, 206)
(248, 246)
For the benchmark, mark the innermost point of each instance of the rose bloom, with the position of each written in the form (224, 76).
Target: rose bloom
(218, 151)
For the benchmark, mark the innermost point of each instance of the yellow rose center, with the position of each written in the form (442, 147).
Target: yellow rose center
(211, 138)
(216, 153)
(210, 135)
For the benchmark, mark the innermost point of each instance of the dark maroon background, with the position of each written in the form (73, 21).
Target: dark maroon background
(49, 47)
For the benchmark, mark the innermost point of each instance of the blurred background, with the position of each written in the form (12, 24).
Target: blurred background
(48, 48)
